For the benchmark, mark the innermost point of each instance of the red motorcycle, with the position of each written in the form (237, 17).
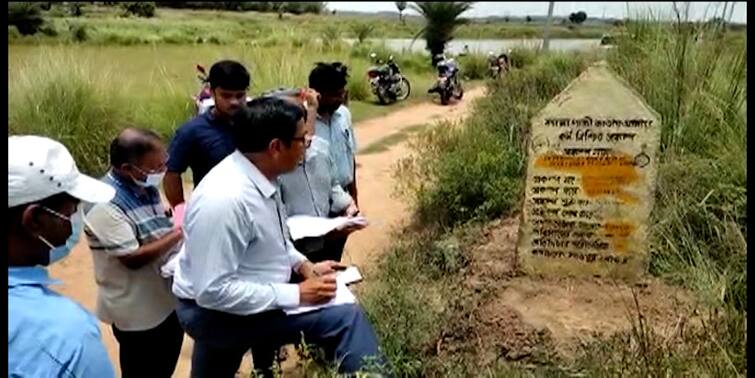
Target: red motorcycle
(203, 99)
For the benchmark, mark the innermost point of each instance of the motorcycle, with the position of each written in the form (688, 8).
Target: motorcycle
(499, 65)
(387, 82)
(448, 84)
(203, 100)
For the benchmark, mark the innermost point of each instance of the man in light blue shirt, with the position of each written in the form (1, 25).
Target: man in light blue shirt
(49, 335)
(311, 188)
(334, 125)
(233, 278)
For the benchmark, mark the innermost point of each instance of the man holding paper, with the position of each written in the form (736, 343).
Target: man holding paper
(233, 278)
(312, 190)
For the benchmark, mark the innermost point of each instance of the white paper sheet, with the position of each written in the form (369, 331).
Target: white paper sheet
(343, 296)
(305, 226)
(349, 276)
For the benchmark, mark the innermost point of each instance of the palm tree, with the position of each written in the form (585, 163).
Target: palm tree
(401, 5)
(441, 19)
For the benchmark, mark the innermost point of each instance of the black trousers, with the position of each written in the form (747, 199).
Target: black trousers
(150, 353)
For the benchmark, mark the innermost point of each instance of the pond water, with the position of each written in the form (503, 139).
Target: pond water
(496, 45)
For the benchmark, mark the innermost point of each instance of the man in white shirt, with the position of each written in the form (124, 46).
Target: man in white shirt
(233, 278)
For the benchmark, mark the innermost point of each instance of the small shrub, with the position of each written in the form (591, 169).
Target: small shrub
(139, 9)
(49, 31)
(362, 31)
(79, 33)
(521, 58)
(76, 9)
(331, 36)
(359, 89)
(474, 66)
(26, 17)
(13, 33)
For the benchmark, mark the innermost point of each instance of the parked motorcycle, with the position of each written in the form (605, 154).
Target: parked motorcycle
(387, 82)
(448, 84)
(498, 65)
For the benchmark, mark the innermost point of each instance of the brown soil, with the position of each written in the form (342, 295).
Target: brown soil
(515, 317)
(375, 184)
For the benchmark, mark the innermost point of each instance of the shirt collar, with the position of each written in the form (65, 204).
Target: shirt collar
(264, 185)
(29, 276)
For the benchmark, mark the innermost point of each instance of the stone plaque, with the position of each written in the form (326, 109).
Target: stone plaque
(591, 175)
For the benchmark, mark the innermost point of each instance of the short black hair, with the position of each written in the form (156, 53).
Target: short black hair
(265, 119)
(131, 145)
(230, 75)
(328, 77)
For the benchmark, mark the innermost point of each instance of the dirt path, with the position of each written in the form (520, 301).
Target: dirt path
(375, 185)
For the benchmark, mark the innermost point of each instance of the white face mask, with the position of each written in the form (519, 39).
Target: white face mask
(153, 180)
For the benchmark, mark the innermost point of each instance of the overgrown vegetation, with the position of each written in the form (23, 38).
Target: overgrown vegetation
(462, 175)
(456, 174)
(74, 93)
(108, 26)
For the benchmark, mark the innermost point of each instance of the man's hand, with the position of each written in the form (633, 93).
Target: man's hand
(317, 290)
(328, 267)
(352, 210)
(311, 97)
(309, 270)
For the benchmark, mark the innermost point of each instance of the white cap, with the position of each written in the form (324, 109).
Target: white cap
(40, 167)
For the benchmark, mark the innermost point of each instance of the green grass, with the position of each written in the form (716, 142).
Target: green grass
(698, 225)
(488, 151)
(83, 95)
(175, 26)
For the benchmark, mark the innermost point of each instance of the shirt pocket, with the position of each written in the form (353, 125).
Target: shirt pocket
(349, 138)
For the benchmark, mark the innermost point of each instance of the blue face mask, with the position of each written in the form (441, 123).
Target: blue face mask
(61, 251)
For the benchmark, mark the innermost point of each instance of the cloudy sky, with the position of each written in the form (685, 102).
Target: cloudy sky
(699, 10)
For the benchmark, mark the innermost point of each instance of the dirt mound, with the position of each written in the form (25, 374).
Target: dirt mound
(519, 318)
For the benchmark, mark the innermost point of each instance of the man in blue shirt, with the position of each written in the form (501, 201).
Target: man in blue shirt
(205, 140)
(333, 124)
(49, 335)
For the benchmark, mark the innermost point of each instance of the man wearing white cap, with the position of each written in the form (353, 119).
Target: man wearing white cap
(48, 335)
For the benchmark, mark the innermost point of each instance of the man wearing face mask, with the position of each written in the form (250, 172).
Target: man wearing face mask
(131, 237)
(48, 335)
(205, 140)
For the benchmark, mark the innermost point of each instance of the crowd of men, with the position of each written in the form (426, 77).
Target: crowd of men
(220, 267)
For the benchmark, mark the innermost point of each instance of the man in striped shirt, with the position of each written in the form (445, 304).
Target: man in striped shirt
(131, 237)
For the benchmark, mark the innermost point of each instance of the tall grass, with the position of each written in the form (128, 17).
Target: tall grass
(698, 226)
(699, 88)
(457, 174)
(61, 97)
(83, 95)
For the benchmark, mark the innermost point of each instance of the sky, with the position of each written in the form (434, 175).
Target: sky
(698, 9)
